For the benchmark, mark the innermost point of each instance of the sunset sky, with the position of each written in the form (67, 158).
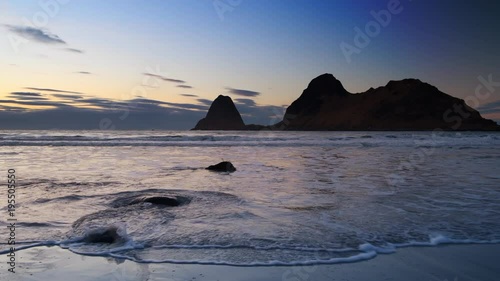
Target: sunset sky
(165, 61)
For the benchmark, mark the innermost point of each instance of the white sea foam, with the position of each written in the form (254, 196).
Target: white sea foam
(292, 139)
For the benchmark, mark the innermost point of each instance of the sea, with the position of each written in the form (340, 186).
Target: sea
(296, 198)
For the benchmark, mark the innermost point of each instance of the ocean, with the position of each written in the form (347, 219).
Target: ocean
(297, 198)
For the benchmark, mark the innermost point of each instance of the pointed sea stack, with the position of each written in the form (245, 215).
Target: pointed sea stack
(222, 115)
(409, 104)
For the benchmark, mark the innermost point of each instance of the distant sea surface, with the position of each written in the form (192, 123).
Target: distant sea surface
(297, 198)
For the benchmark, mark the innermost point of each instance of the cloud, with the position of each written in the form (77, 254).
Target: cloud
(78, 51)
(52, 90)
(205, 101)
(89, 119)
(189, 95)
(492, 107)
(21, 98)
(35, 103)
(69, 97)
(165, 78)
(248, 102)
(188, 106)
(74, 111)
(11, 108)
(134, 114)
(35, 34)
(252, 113)
(26, 94)
(184, 86)
(245, 93)
(141, 102)
(83, 72)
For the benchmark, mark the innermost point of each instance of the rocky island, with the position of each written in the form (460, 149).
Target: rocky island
(222, 115)
(325, 104)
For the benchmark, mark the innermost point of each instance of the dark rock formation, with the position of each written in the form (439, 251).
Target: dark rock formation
(105, 235)
(162, 200)
(400, 105)
(222, 115)
(222, 167)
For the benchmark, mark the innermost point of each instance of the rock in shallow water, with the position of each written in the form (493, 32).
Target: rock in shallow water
(222, 167)
(162, 200)
(105, 235)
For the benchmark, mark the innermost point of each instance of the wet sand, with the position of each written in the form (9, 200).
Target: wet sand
(450, 263)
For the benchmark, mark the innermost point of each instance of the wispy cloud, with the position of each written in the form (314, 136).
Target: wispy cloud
(52, 90)
(248, 102)
(26, 94)
(205, 101)
(189, 95)
(245, 93)
(73, 50)
(165, 78)
(35, 103)
(35, 34)
(11, 108)
(83, 72)
(492, 107)
(184, 86)
(69, 97)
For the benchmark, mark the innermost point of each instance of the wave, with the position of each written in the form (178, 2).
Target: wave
(375, 139)
(124, 249)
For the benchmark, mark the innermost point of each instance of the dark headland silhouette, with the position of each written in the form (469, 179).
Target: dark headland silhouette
(408, 104)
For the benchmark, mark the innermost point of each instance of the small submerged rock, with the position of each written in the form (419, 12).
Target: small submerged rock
(224, 166)
(167, 201)
(104, 235)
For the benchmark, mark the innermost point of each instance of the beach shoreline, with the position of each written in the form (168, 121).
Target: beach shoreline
(446, 262)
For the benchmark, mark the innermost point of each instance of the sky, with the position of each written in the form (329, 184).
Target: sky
(88, 64)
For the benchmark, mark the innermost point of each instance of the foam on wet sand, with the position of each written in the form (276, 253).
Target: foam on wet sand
(451, 262)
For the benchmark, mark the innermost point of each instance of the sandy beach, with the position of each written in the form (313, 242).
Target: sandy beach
(452, 263)
(233, 140)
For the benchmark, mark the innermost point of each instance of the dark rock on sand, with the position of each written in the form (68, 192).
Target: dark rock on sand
(222, 167)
